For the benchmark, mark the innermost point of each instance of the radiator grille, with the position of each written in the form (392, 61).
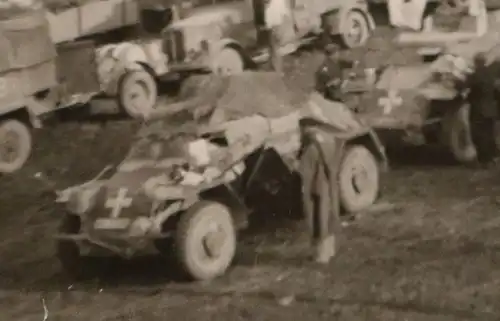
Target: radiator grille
(174, 46)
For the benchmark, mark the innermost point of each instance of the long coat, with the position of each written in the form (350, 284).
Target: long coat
(482, 95)
(319, 162)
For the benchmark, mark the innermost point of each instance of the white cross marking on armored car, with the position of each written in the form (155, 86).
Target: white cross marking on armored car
(119, 202)
(390, 101)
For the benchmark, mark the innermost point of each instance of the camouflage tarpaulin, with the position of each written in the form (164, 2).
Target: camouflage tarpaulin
(253, 106)
(251, 93)
(210, 100)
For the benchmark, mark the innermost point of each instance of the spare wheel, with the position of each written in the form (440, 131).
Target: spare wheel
(137, 93)
(358, 179)
(15, 145)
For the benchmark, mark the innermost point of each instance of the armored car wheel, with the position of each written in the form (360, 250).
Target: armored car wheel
(205, 240)
(457, 136)
(137, 93)
(358, 179)
(354, 30)
(15, 145)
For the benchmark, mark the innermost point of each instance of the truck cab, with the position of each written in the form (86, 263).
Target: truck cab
(228, 36)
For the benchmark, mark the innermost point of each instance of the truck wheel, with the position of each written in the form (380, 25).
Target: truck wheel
(68, 252)
(457, 135)
(358, 179)
(137, 93)
(205, 240)
(354, 30)
(15, 145)
(229, 62)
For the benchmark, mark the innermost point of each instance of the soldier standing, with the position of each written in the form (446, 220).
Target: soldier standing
(276, 14)
(330, 75)
(483, 109)
(319, 160)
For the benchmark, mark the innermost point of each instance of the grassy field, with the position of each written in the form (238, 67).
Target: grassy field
(434, 257)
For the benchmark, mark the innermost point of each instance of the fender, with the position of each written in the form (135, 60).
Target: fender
(369, 138)
(115, 60)
(337, 16)
(217, 47)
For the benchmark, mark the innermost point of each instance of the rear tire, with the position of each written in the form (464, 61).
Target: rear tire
(15, 145)
(205, 240)
(457, 136)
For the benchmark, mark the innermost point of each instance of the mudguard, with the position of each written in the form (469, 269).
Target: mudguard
(369, 138)
(228, 43)
(113, 61)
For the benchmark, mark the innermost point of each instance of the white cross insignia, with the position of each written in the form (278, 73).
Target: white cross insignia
(390, 101)
(119, 202)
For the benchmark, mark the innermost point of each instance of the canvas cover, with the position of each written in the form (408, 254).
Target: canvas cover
(25, 41)
(210, 100)
(254, 106)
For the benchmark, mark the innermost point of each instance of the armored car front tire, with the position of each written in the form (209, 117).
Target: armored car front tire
(15, 145)
(205, 240)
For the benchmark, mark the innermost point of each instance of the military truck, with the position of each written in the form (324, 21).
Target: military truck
(32, 82)
(39, 76)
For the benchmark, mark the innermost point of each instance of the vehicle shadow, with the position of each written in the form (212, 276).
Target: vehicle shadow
(405, 155)
(146, 277)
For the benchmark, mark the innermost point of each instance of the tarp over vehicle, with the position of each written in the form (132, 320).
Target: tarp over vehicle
(210, 101)
(257, 106)
(25, 41)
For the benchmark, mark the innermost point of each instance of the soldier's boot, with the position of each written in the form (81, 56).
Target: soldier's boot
(325, 250)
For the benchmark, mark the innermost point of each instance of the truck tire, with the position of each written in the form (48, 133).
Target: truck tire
(15, 145)
(137, 93)
(205, 240)
(228, 62)
(358, 179)
(457, 136)
(354, 30)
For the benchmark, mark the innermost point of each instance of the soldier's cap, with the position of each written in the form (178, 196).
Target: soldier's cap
(331, 48)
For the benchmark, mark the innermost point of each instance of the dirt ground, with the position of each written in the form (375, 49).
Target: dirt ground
(436, 256)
